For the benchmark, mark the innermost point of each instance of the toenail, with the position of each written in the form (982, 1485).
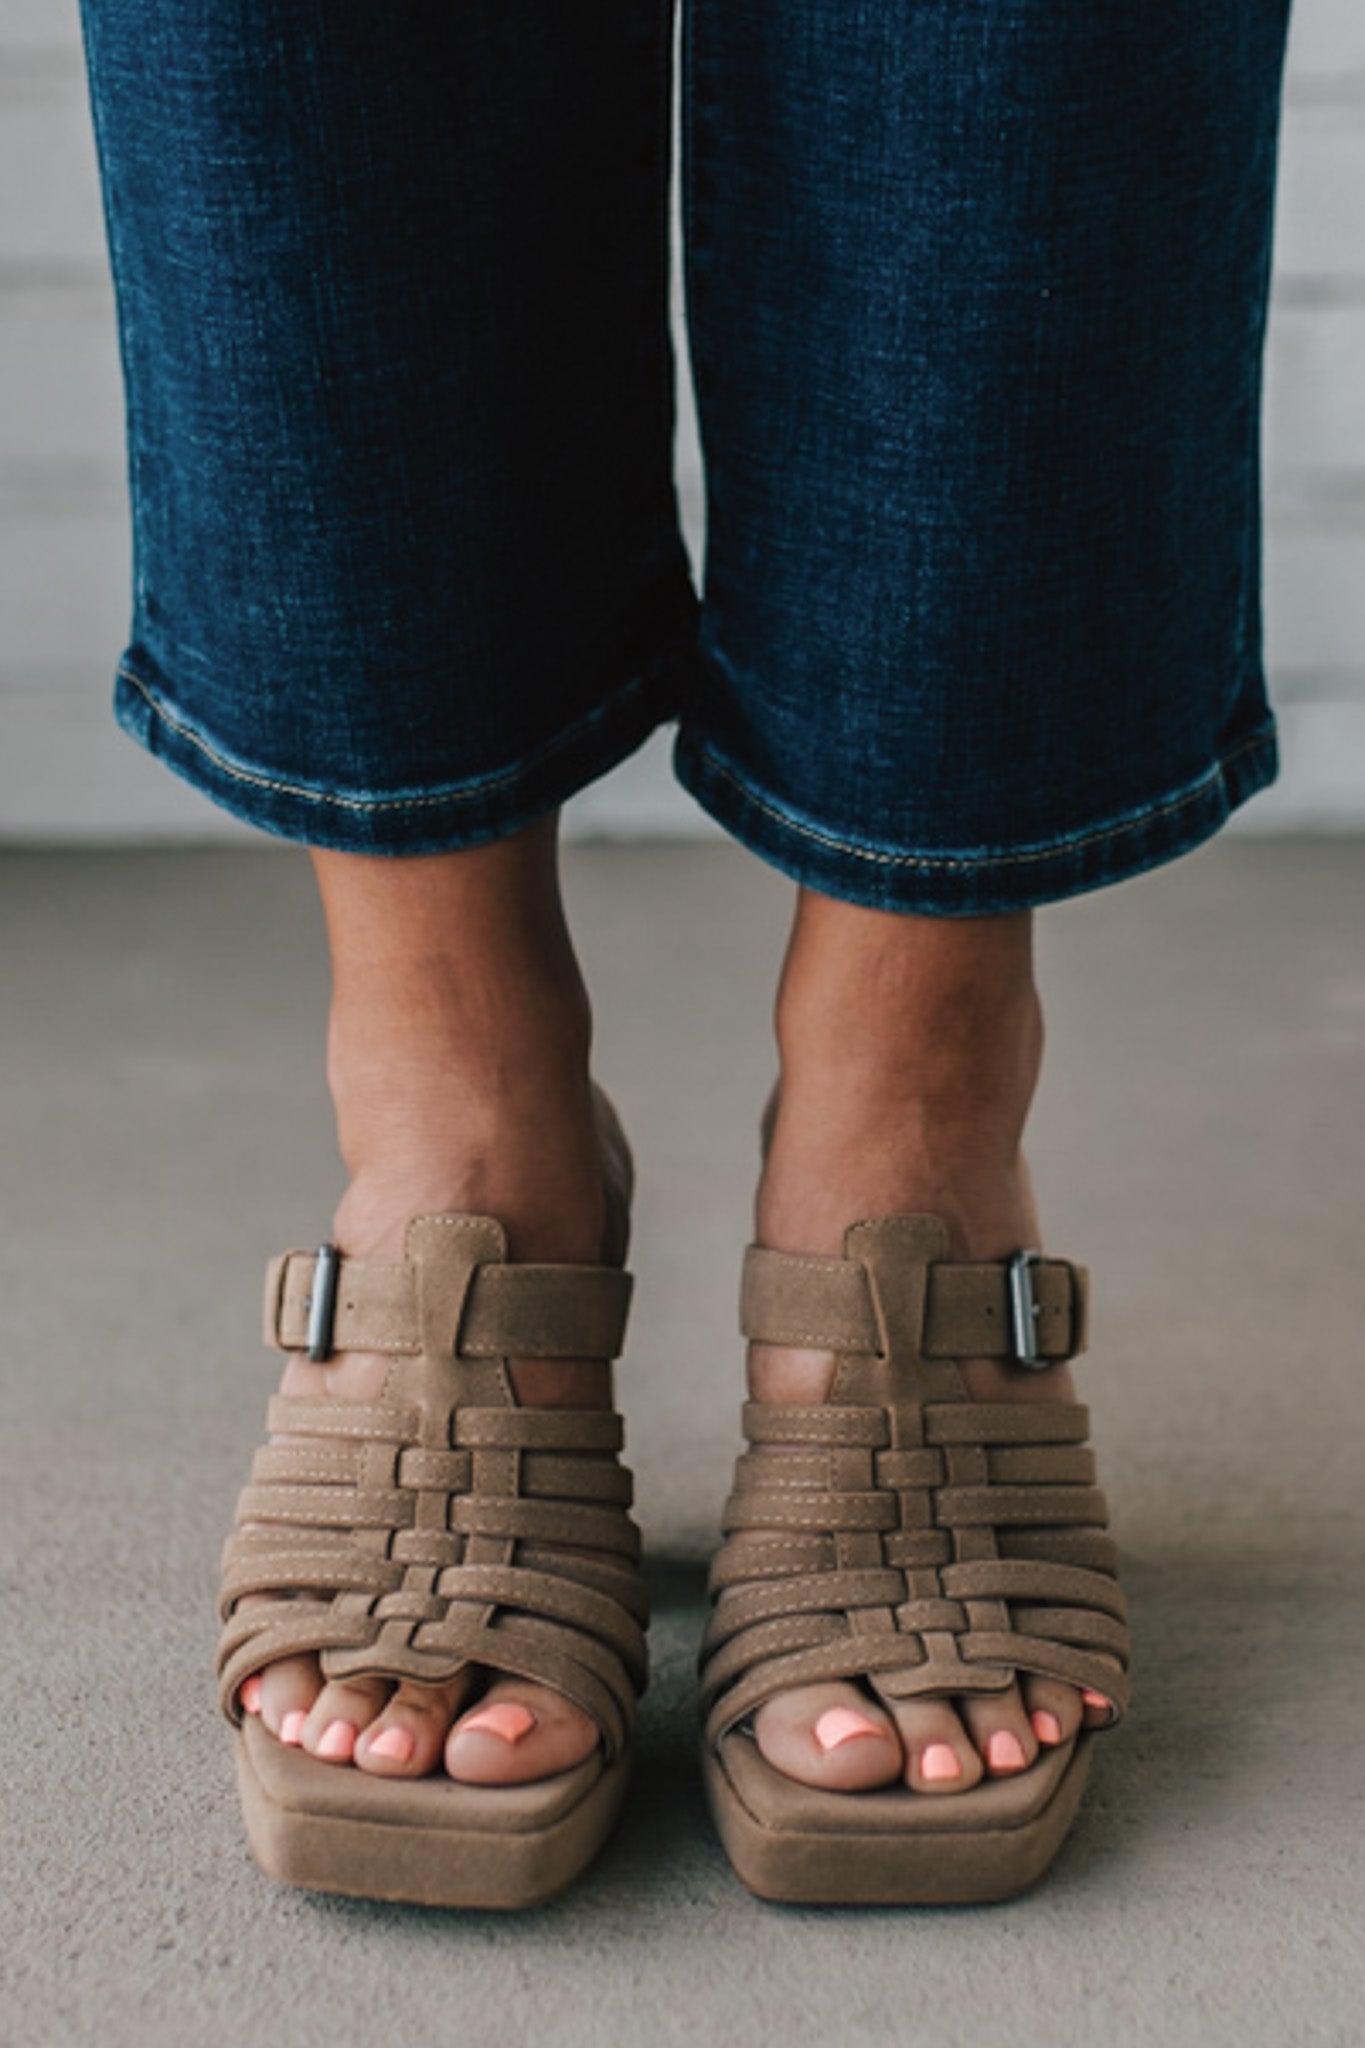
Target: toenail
(250, 1694)
(1046, 1726)
(507, 1719)
(291, 1727)
(939, 1761)
(842, 1724)
(1005, 1752)
(395, 1743)
(338, 1741)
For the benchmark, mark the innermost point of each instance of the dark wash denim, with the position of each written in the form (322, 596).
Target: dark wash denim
(976, 296)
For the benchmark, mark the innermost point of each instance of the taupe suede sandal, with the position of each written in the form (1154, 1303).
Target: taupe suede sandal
(430, 1530)
(918, 1541)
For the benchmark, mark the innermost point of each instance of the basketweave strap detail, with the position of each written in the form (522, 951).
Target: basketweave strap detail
(767, 1636)
(363, 1577)
(990, 1425)
(549, 1595)
(774, 1423)
(1006, 1422)
(830, 1304)
(400, 1539)
(356, 1421)
(261, 1561)
(442, 1525)
(902, 1534)
(1009, 1464)
(511, 1311)
(538, 1429)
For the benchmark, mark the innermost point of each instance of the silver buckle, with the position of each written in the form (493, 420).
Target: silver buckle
(322, 1302)
(1024, 1311)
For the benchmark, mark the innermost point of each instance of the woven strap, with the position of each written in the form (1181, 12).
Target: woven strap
(900, 1532)
(438, 1527)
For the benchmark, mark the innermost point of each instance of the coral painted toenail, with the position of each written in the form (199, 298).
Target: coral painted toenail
(842, 1724)
(507, 1719)
(1097, 1699)
(1005, 1752)
(1046, 1726)
(938, 1762)
(250, 1694)
(338, 1741)
(394, 1743)
(291, 1727)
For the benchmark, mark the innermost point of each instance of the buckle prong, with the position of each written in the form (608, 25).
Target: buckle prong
(322, 1302)
(1025, 1309)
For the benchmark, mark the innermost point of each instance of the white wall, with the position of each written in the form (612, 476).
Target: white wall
(66, 773)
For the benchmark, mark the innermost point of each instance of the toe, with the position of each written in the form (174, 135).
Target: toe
(1001, 1731)
(1096, 1707)
(517, 1731)
(1054, 1710)
(288, 1690)
(828, 1735)
(404, 1739)
(340, 1714)
(939, 1753)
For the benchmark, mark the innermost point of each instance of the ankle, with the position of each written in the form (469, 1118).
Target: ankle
(840, 1152)
(546, 1218)
(809, 1194)
(955, 1063)
(506, 1130)
(849, 1142)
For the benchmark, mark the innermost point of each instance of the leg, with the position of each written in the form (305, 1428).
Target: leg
(392, 293)
(458, 1063)
(976, 297)
(976, 302)
(910, 1049)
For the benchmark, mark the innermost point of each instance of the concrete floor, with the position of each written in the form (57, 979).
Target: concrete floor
(1199, 1141)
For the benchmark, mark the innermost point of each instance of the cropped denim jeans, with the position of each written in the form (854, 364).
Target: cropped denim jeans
(975, 297)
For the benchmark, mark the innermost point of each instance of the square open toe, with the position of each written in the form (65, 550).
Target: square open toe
(428, 1841)
(892, 1847)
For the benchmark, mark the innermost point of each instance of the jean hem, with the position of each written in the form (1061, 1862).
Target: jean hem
(440, 819)
(977, 881)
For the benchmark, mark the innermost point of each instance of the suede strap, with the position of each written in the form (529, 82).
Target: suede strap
(511, 1311)
(900, 1533)
(828, 1304)
(440, 1525)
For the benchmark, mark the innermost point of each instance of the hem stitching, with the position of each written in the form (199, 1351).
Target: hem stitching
(1050, 850)
(467, 792)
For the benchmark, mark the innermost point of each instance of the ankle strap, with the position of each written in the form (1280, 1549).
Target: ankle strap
(972, 1308)
(510, 1311)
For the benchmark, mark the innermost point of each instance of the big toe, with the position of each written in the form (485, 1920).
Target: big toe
(832, 1736)
(516, 1732)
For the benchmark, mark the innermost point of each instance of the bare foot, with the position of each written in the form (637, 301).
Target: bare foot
(458, 1061)
(910, 1053)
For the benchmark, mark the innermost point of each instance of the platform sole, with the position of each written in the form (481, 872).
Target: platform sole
(437, 1848)
(799, 1847)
